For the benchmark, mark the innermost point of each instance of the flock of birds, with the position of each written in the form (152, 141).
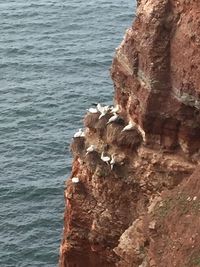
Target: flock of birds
(103, 110)
(104, 158)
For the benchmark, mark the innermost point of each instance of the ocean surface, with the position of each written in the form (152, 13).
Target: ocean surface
(54, 62)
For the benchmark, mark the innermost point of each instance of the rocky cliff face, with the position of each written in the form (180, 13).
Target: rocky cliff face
(145, 210)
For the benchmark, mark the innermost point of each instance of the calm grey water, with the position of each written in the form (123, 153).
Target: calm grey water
(54, 61)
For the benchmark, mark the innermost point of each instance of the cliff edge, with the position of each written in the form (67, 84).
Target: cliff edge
(142, 208)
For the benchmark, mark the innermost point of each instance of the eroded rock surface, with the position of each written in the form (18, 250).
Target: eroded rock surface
(144, 210)
(156, 73)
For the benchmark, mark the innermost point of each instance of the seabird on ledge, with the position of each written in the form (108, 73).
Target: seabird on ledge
(93, 110)
(115, 117)
(91, 148)
(80, 133)
(106, 159)
(112, 162)
(115, 109)
(75, 180)
(128, 127)
(103, 110)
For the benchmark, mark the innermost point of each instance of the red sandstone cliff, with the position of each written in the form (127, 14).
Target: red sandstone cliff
(145, 212)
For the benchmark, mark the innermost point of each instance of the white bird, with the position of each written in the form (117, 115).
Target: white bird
(103, 110)
(113, 118)
(90, 149)
(105, 158)
(115, 109)
(75, 180)
(107, 108)
(128, 127)
(112, 162)
(93, 110)
(102, 114)
(80, 133)
(100, 108)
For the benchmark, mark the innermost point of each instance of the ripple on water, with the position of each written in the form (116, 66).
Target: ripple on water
(55, 59)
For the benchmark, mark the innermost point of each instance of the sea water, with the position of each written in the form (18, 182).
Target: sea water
(54, 62)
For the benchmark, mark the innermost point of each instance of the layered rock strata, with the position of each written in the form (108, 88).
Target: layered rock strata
(144, 211)
(156, 73)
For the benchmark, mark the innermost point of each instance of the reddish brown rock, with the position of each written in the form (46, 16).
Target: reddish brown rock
(125, 140)
(143, 211)
(156, 76)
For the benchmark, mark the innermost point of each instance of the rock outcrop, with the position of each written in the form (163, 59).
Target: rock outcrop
(156, 73)
(144, 210)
